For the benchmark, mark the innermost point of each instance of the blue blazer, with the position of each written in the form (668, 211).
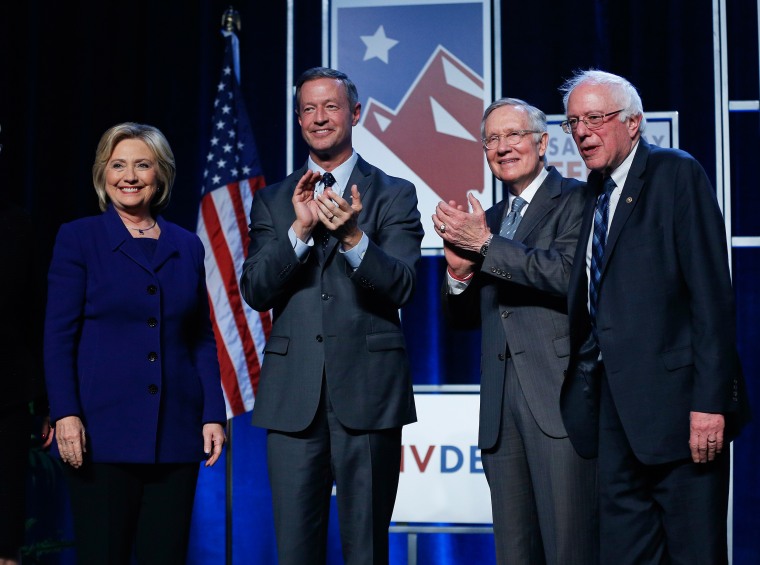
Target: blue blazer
(128, 343)
(666, 324)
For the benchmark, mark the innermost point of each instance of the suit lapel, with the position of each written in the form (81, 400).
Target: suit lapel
(628, 199)
(578, 288)
(167, 246)
(541, 204)
(120, 240)
(496, 215)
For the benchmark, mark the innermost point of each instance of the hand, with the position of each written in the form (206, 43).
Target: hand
(337, 215)
(462, 229)
(706, 436)
(459, 261)
(47, 433)
(213, 440)
(305, 206)
(72, 442)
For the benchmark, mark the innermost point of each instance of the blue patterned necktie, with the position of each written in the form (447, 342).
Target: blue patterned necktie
(512, 220)
(598, 242)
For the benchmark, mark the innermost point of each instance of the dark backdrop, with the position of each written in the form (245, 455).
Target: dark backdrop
(68, 71)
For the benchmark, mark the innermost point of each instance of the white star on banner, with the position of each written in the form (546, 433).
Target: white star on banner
(378, 45)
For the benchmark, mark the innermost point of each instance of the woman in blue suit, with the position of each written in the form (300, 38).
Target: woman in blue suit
(130, 359)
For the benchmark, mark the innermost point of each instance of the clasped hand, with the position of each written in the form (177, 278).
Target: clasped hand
(463, 233)
(460, 228)
(328, 208)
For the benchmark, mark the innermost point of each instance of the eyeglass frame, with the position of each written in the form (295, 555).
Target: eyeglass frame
(521, 132)
(568, 128)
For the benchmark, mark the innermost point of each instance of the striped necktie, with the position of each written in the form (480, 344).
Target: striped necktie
(598, 242)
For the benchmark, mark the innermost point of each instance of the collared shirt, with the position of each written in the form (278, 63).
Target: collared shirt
(342, 174)
(619, 175)
(458, 287)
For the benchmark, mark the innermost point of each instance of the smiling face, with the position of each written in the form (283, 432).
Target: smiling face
(326, 120)
(131, 177)
(605, 148)
(515, 165)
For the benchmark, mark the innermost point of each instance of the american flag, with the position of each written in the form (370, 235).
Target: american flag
(231, 175)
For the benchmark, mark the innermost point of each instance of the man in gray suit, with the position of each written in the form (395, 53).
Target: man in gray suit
(333, 253)
(508, 270)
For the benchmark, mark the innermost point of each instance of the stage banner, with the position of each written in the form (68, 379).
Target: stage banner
(424, 74)
(442, 479)
(661, 130)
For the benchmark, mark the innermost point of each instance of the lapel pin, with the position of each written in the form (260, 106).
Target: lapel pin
(628, 200)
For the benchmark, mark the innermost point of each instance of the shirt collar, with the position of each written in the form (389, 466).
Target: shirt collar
(531, 189)
(621, 173)
(342, 172)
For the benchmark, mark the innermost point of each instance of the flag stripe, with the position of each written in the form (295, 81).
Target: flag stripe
(232, 397)
(232, 173)
(231, 275)
(234, 322)
(231, 211)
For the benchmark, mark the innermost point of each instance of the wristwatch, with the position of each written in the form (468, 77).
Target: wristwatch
(484, 247)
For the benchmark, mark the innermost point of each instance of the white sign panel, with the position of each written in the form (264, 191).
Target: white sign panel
(442, 477)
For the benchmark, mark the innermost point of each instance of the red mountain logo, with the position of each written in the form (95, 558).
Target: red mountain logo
(435, 130)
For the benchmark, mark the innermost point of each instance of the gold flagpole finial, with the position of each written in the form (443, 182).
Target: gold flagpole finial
(231, 20)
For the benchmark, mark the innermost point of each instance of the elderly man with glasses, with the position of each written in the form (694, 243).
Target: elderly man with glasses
(507, 270)
(654, 384)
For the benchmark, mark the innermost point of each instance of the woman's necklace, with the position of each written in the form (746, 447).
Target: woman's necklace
(142, 231)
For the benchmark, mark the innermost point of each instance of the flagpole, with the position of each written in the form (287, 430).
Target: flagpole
(228, 496)
(230, 24)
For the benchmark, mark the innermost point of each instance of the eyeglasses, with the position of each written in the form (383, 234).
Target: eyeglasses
(591, 121)
(512, 138)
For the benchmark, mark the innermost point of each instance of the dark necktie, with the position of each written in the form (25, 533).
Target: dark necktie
(512, 220)
(323, 234)
(328, 180)
(598, 242)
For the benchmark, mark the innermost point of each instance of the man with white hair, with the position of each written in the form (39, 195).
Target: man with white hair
(654, 383)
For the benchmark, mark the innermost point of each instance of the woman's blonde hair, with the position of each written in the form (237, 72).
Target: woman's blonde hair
(157, 143)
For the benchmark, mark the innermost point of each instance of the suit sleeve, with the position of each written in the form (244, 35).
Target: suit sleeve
(272, 264)
(544, 268)
(63, 321)
(703, 257)
(388, 269)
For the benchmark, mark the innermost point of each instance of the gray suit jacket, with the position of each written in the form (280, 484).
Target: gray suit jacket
(518, 298)
(330, 318)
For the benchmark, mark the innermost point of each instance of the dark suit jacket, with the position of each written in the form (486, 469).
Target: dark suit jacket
(519, 299)
(666, 312)
(329, 317)
(128, 342)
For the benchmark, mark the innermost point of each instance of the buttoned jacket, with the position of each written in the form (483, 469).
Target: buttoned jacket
(518, 298)
(128, 343)
(330, 320)
(666, 322)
